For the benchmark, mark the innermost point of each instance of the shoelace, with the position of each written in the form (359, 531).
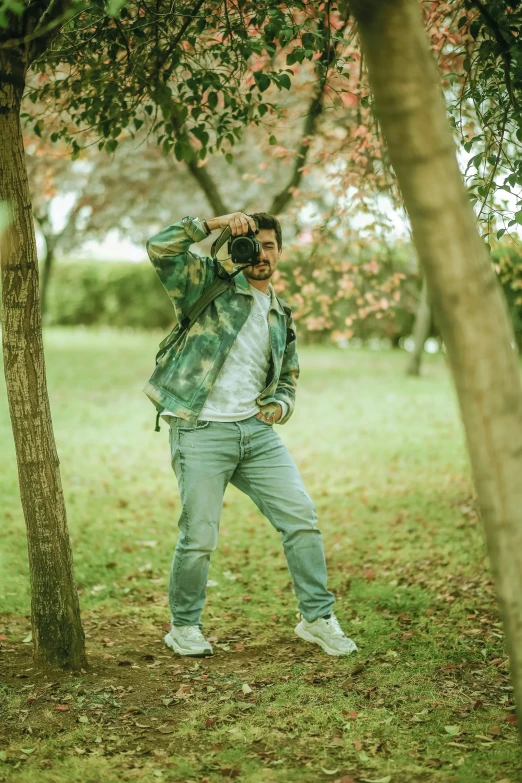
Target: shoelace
(333, 622)
(193, 633)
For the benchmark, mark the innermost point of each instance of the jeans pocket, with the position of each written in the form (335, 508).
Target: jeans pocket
(184, 426)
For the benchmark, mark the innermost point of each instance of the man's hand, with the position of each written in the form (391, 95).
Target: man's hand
(239, 223)
(271, 413)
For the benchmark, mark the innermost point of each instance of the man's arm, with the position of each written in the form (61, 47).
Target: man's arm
(185, 275)
(284, 395)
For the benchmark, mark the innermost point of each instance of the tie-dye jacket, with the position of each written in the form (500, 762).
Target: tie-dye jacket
(185, 374)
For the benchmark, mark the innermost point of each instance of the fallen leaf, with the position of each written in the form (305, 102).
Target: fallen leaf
(28, 638)
(345, 779)
(28, 750)
(495, 730)
(330, 771)
(358, 745)
(453, 730)
(166, 702)
(165, 729)
(458, 745)
(83, 719)
(240, 646)
(246, 689)
(80, 751)
(386, 779)
(61, 707)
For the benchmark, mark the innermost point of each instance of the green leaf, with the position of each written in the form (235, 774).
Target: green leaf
(501, 232)
(518, 217)
(229, 158)
(111, 145)
(212, 100)
(114, 7)
(262, 80)
(284, 81)
(272, 140)
(475, 27)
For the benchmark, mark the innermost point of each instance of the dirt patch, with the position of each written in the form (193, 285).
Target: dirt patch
(135, 691)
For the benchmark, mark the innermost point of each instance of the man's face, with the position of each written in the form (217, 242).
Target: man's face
(269, 255)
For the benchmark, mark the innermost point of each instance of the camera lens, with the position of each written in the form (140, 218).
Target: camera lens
(242, 249)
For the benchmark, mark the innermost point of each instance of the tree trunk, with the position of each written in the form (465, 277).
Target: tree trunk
(468, 305)
(421, 331)
(57, 631)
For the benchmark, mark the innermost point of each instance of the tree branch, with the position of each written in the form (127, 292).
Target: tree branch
(503, 44)
(282, 199)
(204, 179)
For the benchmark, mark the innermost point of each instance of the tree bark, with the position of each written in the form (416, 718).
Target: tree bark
(467, 301)
(57, 631)
(421, 331)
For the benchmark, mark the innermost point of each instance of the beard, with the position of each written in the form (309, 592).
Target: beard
(256, 273)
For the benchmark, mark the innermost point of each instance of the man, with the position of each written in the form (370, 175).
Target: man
(222, 385)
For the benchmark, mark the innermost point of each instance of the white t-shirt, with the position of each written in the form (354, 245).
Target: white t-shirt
(243, 375)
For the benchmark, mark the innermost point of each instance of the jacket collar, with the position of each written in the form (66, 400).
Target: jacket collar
(242, 286)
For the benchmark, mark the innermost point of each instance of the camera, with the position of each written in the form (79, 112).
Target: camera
(245, 249)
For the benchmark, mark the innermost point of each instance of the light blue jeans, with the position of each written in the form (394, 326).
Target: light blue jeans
(252, 457)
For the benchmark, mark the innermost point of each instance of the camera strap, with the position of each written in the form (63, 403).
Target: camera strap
(220, 241)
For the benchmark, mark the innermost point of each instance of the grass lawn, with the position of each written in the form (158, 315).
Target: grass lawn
(426, 698)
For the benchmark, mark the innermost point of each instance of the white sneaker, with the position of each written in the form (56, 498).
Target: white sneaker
(187, 640)
(328, 634)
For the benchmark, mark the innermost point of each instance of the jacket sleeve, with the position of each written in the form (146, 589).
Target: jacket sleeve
(184, 275)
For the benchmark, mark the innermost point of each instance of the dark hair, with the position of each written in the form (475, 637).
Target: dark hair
(270, 222)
